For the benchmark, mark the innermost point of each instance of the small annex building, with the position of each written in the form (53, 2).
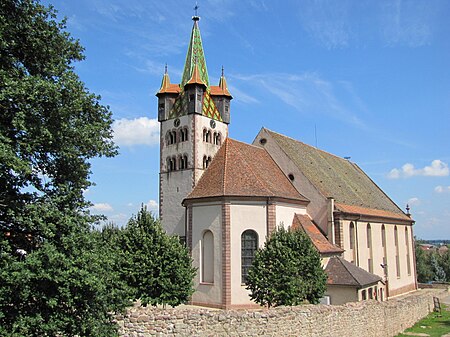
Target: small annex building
(224, 198)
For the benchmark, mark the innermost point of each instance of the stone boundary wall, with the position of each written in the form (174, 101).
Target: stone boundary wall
(367, 318)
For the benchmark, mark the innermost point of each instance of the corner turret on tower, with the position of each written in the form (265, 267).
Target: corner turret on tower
(166, 96)
(222, 97)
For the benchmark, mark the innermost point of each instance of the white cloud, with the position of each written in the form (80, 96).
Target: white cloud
(408, 23)
(310, 93)
(437, 169)
(414, 201)
(442, 189)
(101, 207)
(138, 131)
(328, 22)
(153, 206)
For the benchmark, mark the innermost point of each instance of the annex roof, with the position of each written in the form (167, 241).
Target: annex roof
(342, 272)
(319, 240)
(337, 177)
(244, 170)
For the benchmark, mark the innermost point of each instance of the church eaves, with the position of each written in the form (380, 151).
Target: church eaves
(195, 55)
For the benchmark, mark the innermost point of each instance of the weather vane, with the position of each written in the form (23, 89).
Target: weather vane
(196, 17)
(196, 8)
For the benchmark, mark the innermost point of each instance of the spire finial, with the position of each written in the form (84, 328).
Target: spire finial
(407, 209)
(165, 69)
(196, 17)
(222, 71)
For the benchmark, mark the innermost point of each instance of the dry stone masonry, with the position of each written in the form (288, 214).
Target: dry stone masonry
(367, 318)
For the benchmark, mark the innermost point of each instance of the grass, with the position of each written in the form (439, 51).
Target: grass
(435, 324)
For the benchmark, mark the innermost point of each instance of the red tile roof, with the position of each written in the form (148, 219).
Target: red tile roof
(195, 78)
(244, 170)
(358, 210)
(167, 87)
(319, 240)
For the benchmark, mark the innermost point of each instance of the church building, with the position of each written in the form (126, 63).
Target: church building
(224, 198)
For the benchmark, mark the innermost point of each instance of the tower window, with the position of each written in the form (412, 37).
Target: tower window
(183, 135)
(183, 162)
(171, 137)
(191, 97)
(263, 141)
(291, 176)
(206, 161)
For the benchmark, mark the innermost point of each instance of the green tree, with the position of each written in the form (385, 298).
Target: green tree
(425, 272)
(50, 127)
(156, 266)
(287, 271)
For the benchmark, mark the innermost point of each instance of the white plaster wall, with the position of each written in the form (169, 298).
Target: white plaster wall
(341, 294)
(205, 148)
(363, 252)
(175, 186)
(284, 213)
(243, 217)
(207, 217)
(318, 207)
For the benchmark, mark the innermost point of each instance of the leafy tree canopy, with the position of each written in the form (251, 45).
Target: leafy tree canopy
(54, 279)
(156, 266)
(287, 271)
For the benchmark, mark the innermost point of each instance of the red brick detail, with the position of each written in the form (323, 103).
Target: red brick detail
(402, 290)
(189, 229)
(271, 217)
(226, 256)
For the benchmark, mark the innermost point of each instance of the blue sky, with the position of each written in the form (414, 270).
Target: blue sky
(371, 77)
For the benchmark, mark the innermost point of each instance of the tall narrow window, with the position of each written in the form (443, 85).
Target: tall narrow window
(383, 244)
(397, 257)
(352, 235)
(369, 246)
(208, 257)
(408, 262)
(249, 245)
(204, 135)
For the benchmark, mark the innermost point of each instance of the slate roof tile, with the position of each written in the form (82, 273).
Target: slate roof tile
(342, 272)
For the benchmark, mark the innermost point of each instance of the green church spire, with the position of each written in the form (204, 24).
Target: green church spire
(195, 55)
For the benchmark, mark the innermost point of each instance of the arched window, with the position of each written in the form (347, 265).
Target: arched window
(369, 246)
(208, 136)
(352, 235)
(204, 135)
(219, 138)
(208, 257)
(352, 241)
(408, 262)
(171, 164)
(383, 244)
(174, 164)
(183, 162)
(183, 134)
(249, 245)
(397, 257)
(206, 162)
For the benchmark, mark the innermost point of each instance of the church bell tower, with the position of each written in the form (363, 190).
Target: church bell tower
(194, 118)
